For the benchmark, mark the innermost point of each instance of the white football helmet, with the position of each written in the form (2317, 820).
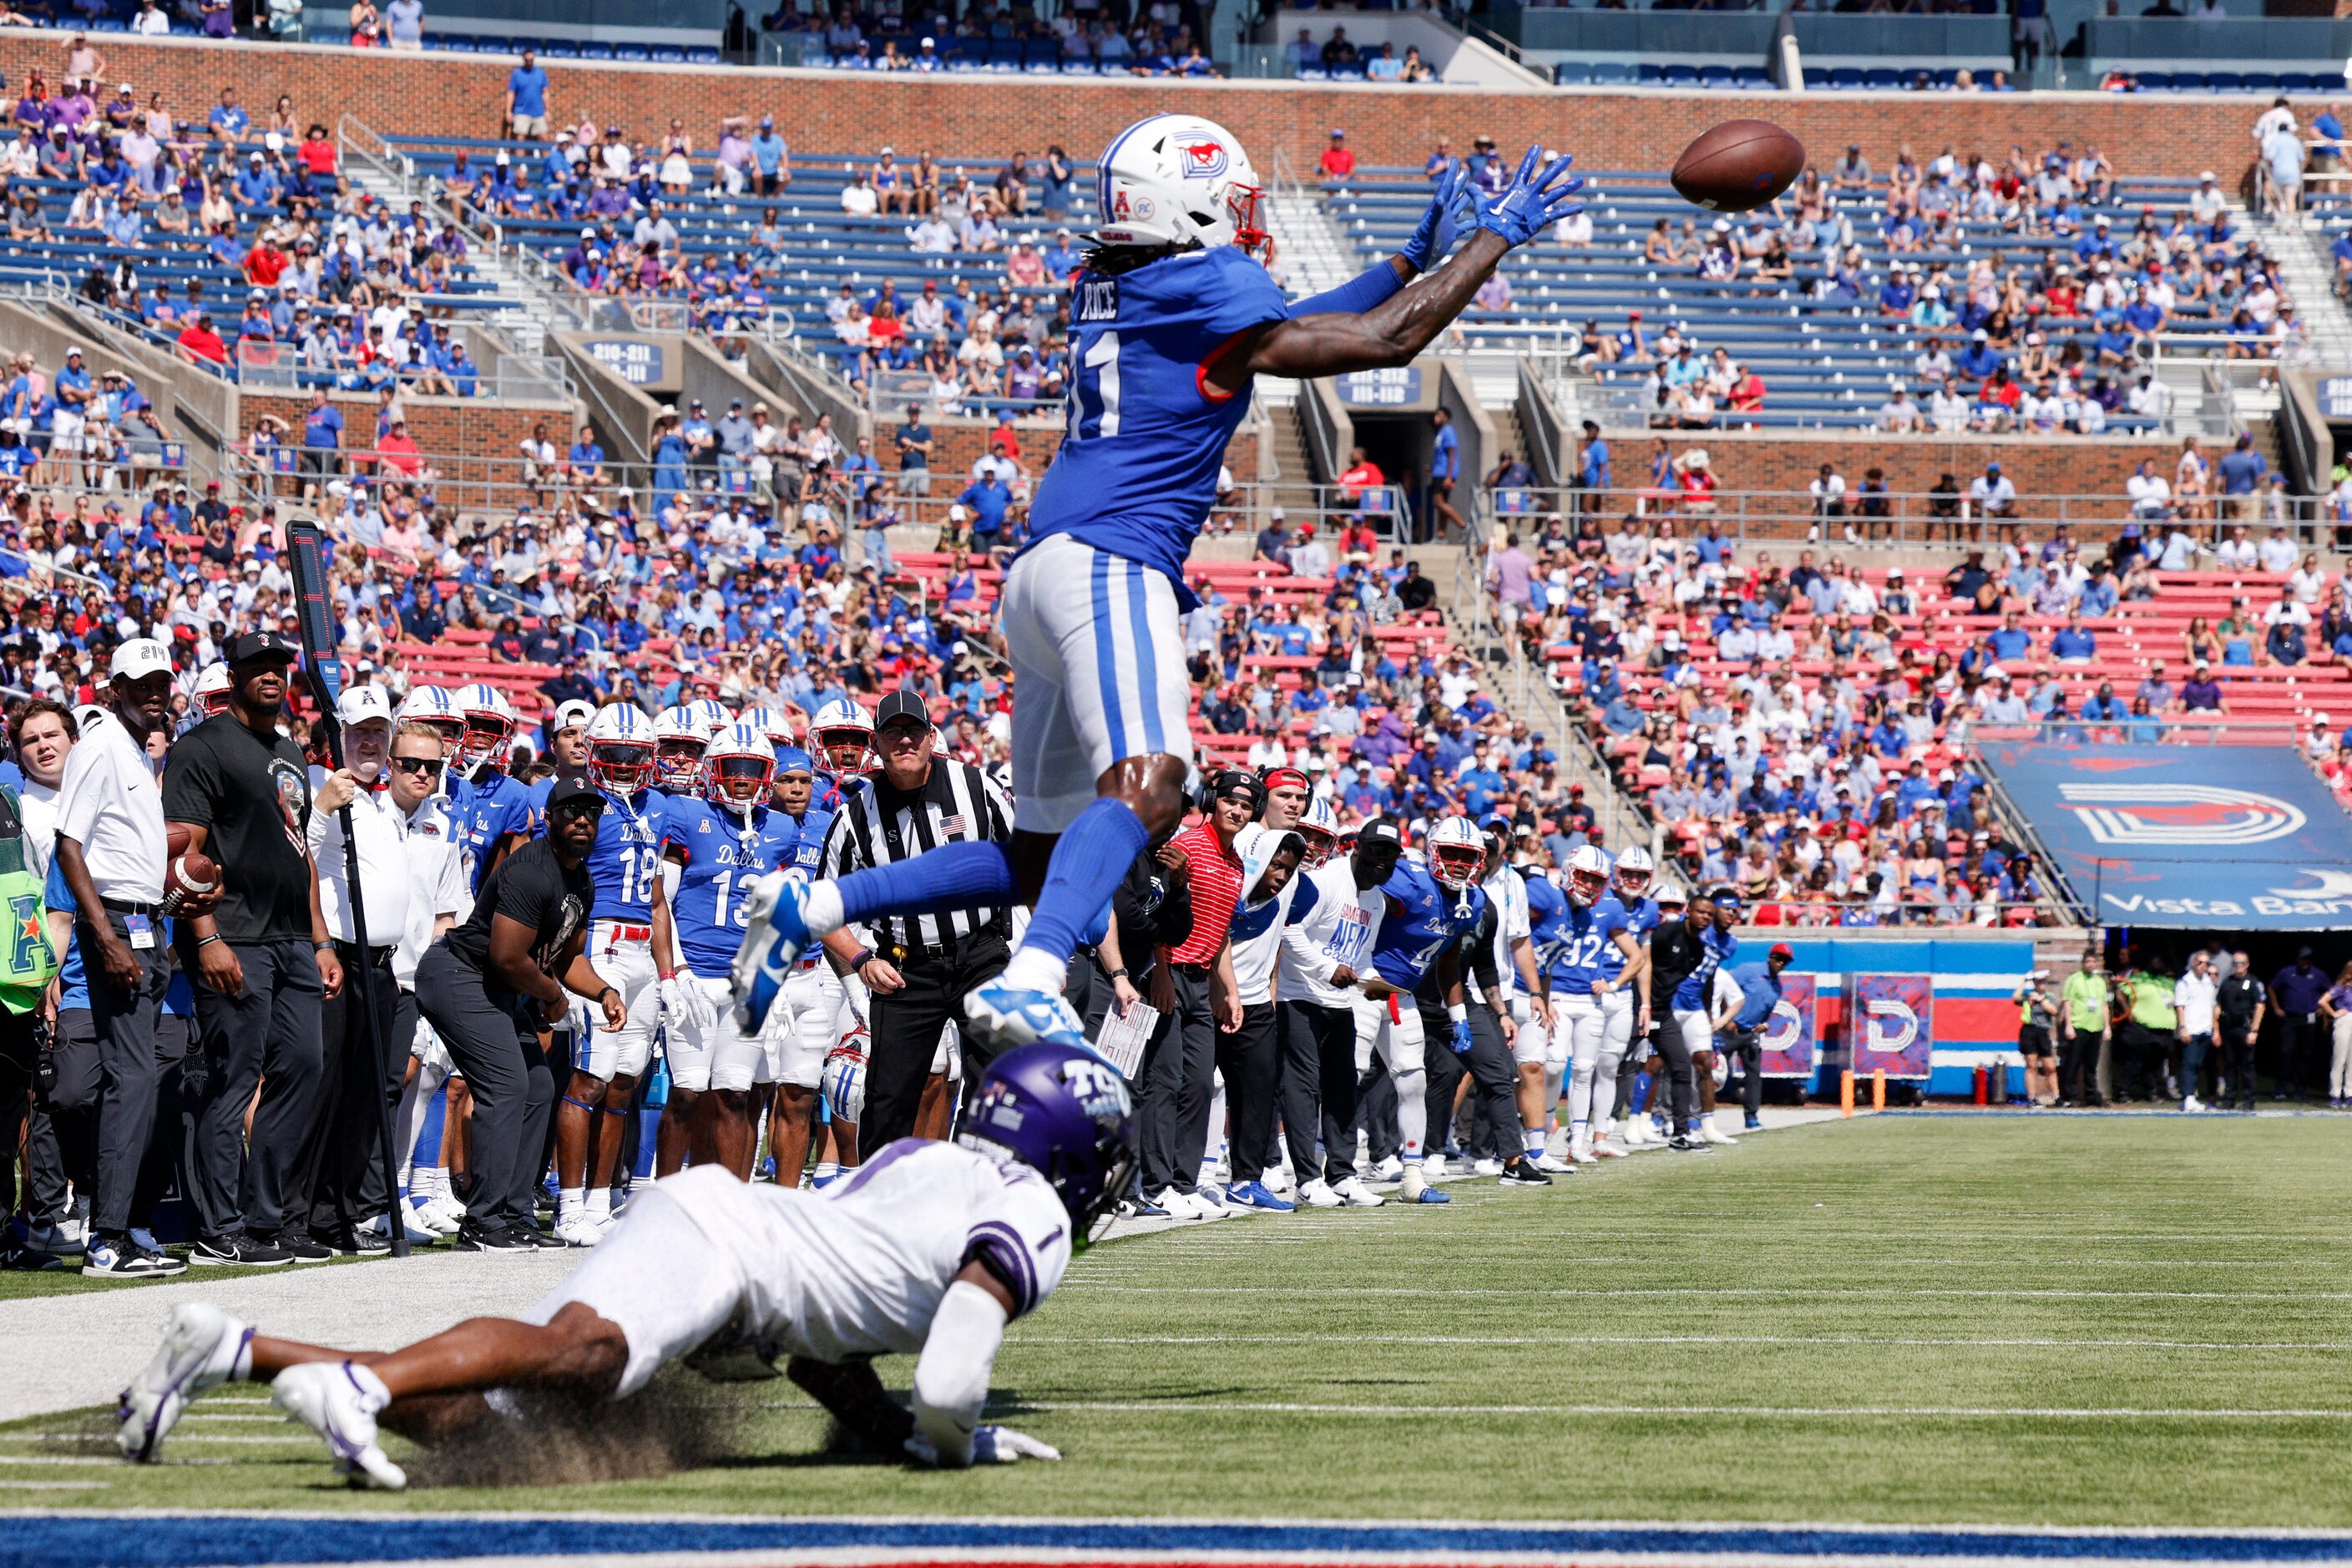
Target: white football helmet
(739, 766)
(211, 690)
(489, 723)
(769, 721)
(1320, 828)
(1634, 872)
(1670, 895)
(1180, 180)
(1588, 874)
(844, 733)
(1454, 850)
(620, 748)
(710, 715)
(428, 705)
(678, 748)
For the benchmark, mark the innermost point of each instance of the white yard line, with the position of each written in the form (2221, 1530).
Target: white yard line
(1774, 1412)
(1441, 1340)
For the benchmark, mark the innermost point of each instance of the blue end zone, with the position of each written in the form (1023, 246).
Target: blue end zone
(184, 1541)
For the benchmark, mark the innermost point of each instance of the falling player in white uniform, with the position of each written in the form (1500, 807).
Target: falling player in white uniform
(1175, 315)
(929, 1251)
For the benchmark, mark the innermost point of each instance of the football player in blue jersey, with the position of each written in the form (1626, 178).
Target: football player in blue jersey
(679, 741)
(716, 843)
(629, 925)
(1704, 1005)
(1175, 315)
(1625, 1015)
(491, 808)
(1432, 903)
(842, 734)
(567, 748)
(1584, 949)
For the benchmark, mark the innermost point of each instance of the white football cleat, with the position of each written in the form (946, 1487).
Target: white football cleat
(1433, 1167)
(1552, 1165)
(1708, 1130)
(1579, 1152)
(338, 1400)
(1607, 1148)
(1317, 1193)
(1487, 1166)
(200, 1350)
(1358, 1195)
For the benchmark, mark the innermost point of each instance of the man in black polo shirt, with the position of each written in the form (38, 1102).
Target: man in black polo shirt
(262, 962)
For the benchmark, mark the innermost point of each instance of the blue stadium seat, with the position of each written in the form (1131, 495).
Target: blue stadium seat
(668, 55)
(1611, 73)
(1845, 77)
(561, 49)
(1680, 76)
(2225, 81)
(636, 53)
(1879, 76)
(1572, 73)
(1715, 76)
(596, 50)
(702, 54)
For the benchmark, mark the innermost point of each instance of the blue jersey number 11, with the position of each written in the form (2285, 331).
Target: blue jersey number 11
(1094, 402)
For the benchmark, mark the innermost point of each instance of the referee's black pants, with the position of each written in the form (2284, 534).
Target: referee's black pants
(338, 1182)
(495, 1046)
(2078, 1065)
(1174, 1088)
(1317, 1047)
(1493, 1080)
(265, 1036)
(906, 1026)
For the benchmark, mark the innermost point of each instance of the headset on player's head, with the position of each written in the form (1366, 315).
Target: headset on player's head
(1231, 780)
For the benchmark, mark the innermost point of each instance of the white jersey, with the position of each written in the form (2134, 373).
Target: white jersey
(1507, 891)
(436, 885)
(1338, 930)
(856, 1269)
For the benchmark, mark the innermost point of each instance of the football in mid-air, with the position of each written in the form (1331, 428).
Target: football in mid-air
(1738, 166)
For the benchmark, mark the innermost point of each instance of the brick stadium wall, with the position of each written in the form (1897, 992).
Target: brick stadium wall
(957, 447)
(440, 425)
(828, 113)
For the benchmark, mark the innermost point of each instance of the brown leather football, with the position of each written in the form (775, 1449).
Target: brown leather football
(189, 875)
(1738, 166)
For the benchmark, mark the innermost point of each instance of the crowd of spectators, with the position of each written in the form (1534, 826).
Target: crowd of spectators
(1153, 38)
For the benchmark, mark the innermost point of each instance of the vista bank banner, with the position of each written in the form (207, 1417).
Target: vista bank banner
(2187, 836)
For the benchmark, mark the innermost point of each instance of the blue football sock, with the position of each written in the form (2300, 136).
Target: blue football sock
(1088, 863)
(940, 882)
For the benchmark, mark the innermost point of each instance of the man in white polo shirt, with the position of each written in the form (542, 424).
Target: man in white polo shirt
(339, 1165)
(111, 851)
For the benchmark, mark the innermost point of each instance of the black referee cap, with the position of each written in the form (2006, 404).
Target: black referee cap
(902, 704)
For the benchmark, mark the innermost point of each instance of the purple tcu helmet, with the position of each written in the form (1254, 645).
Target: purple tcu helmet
(1065, 1113)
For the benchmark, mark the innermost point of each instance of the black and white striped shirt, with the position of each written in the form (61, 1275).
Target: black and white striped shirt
(879, 826)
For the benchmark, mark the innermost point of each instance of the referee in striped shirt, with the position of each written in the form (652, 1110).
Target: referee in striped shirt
(917, 969)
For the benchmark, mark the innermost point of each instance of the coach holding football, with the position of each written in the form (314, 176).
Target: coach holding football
(263, 962)
(917, 969)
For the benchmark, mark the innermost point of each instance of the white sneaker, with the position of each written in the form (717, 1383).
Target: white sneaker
(1579, 1152)
(1210, 1202)
(201, 1344)
(432, 1217)
(1177, 1204)
(1712, 1133)
(1488, 1166)
(339, 1401)
(1357, 1195)
(578, 1231)
(2190, 1102)
(1388, 1170)
(1552, 1165)
(1433, 1167)
(1318, 1194)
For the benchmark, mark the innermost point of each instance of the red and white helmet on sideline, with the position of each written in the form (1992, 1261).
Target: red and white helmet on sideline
(621, 747)
(489, 720)
(211, 690)
(1320, 828)
(1454, 850)
(1588, 874)
(739, 766)
(431, 706)
(843, 735)
(678, 747)
(710, 715)
(1635, 869)
(1180, 180)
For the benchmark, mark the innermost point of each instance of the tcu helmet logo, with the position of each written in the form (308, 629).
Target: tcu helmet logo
(2148, 816)
(1097, 1086)
(1204, 160)
(1889, 1025)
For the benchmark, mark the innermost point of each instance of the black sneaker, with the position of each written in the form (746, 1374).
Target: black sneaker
(237, 1251)
(1522, 1173)
(119, 1257)
(17, 1257)
(470, 1239)
(545, 1241)
(1684, 1142)
(299, 1245)
(355, 1243)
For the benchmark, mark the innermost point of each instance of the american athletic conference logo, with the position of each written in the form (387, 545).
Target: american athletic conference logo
(2202, 816)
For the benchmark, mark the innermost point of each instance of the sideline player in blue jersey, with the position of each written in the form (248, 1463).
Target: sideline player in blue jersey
(715, 845)
(567, 748)
(1584, 949)
(489, 807)
(629, 926)
(1175, 314)
(1625, 1011)
(1701, 1008)
(1432, 903)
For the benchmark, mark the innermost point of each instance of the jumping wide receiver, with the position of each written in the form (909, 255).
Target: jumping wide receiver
(929, 1251)
(1175, 315)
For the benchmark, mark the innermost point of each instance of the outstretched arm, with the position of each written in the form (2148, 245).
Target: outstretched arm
(1400, 326)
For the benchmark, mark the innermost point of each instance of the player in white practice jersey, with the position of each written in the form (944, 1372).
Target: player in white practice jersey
(929, 1250)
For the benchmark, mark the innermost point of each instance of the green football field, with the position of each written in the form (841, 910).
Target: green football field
(2074, 1321)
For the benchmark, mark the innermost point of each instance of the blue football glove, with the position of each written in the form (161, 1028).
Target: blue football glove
(1534, 200)
(1449, 210)
(1461, 1041)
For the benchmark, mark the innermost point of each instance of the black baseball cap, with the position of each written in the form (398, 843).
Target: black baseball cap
(901, 704)
(1383, 827)
(260, 645)
(570, 786)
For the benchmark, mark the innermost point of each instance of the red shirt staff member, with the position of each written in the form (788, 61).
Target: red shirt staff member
(1194, 991)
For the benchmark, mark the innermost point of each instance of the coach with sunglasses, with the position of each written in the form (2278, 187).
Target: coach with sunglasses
(488, 987)
(917, 969)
